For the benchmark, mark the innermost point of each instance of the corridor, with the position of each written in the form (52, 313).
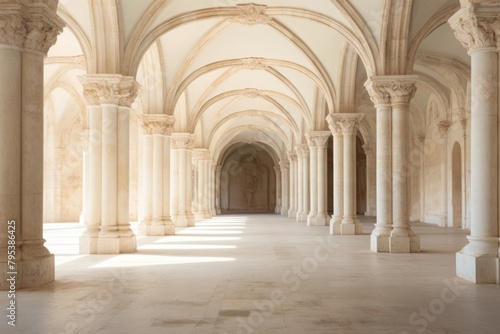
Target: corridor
(258, 274)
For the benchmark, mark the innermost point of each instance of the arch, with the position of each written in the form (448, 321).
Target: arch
(435, 22)
(142, 39)
(272, 128)
(248, 180)
(236, 65)
(266, 95)
(457, 186)
(80, 36)
(262, 136)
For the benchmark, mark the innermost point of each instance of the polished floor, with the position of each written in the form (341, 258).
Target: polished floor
(258, 274)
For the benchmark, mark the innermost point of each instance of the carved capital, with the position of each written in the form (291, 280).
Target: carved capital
(32, 26)
(392, 90)
(346, 123)
(182, 141)
(284, 165)
(109, 89)
(317, 138)
(157, 124)
(251, 14)
(292, 156)
(302, 151)
(277, 170)
(443, 127)
(477, 25)
(201, 154)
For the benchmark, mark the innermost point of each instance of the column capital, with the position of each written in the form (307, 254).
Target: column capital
(277, 169)
(157, 124)
(109, 89)
(391, 89)
(218, 168)
(30, 25)
(302, 151)
(477, 25)
(443, 127)
(292, 156)
(201, 154)
(183, 141)
(368, 149)
(346, 123)
(284, 164)
(317, 138)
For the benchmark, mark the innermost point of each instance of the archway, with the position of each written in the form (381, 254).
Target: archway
(360, 177)
(456, 185)
(248, 180)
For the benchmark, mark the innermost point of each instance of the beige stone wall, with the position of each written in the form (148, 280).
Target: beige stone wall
(249, 181)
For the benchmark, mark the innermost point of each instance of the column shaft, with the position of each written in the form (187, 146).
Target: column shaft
(28, 31)
(313, 212)
(285, 194)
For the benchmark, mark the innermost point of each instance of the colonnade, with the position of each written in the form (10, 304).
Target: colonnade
(168, 157)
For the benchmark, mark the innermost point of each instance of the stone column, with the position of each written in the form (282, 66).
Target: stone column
(202, 157)
(476, 27)
(278, 189)
(156, 195)
(85, 176)
(421, 143)
(371, 178)
(303, 180)
(318, 141)
(109, 98)
(311, 218)
(338, 176)
(391, 96)
(27, 31)
(181, 145)
(218, 171)
(292, 211)
(285, 193)
(443, 127)
(348, 124)
(211, 188)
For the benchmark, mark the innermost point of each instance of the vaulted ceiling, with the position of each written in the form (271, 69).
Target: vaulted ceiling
(233, 71)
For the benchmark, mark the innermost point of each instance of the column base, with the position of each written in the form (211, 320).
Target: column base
(284, 211)
(409, 244)
(322, 219)
(484, 269)
(219, 211)
(116, 245)
(394, 244)
(351, 229)
(292, 213)
(88, 245)
(335, 225)
(31, 273)
(184, 221)
(301, 217)
(203, 215)
(311, 219)
(379, 243)
(162, 228)
(144, 229)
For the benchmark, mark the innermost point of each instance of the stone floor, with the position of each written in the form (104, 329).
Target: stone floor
(258, 274)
